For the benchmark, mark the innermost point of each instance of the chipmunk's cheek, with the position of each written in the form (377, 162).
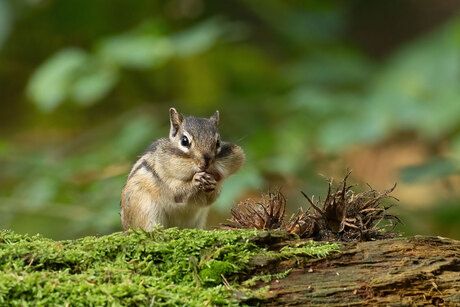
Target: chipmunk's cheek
(215, 174)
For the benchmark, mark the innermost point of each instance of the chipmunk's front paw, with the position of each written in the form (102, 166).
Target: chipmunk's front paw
(204, 181)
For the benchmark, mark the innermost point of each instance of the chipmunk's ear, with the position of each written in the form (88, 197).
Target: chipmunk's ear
(215, 118)
(176, 120)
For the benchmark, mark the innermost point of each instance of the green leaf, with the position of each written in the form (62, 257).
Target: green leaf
(339, 134)
(93, 84)
(433, 169)
(199, 38)
(51, 83)
(336, 66)
(138, 51)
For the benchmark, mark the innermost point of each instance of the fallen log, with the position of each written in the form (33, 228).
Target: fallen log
(402, 271)
(197, 267)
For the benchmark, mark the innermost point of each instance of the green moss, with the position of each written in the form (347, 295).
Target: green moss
(266, 278)
(212, 273)
(164, 267)
(308, 249)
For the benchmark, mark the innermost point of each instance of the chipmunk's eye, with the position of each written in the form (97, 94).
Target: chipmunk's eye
(184, 141)
(218, 143)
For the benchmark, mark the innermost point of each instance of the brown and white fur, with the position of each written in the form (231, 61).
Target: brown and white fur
(174, 182)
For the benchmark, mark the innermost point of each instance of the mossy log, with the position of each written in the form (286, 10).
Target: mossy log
(410, 271)
(174, 267)
(165, 267)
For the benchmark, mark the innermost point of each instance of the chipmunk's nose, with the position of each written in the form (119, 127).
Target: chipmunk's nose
(205, 162)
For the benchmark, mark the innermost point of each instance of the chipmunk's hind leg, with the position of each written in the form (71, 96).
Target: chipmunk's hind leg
(139, 211)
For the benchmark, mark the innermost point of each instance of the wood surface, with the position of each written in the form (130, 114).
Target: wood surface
(412, 271)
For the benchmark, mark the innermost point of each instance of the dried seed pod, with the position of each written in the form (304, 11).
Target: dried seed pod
(343, 215)
(266, 214)
(347, 216)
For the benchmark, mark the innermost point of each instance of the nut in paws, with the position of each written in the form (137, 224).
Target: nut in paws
(205, 181)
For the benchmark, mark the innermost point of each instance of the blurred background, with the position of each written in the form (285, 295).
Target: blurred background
(305, 87)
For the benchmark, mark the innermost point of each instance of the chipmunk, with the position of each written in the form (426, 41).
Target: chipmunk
(176, 180)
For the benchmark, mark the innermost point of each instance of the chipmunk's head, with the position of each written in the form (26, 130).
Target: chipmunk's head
(195, 139)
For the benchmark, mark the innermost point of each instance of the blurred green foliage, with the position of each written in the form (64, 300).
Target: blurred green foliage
(72, 74)
(86, 86)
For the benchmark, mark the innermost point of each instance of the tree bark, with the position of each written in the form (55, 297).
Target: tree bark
(402, 271)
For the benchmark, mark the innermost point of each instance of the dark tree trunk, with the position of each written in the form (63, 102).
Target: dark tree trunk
(403, 271)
